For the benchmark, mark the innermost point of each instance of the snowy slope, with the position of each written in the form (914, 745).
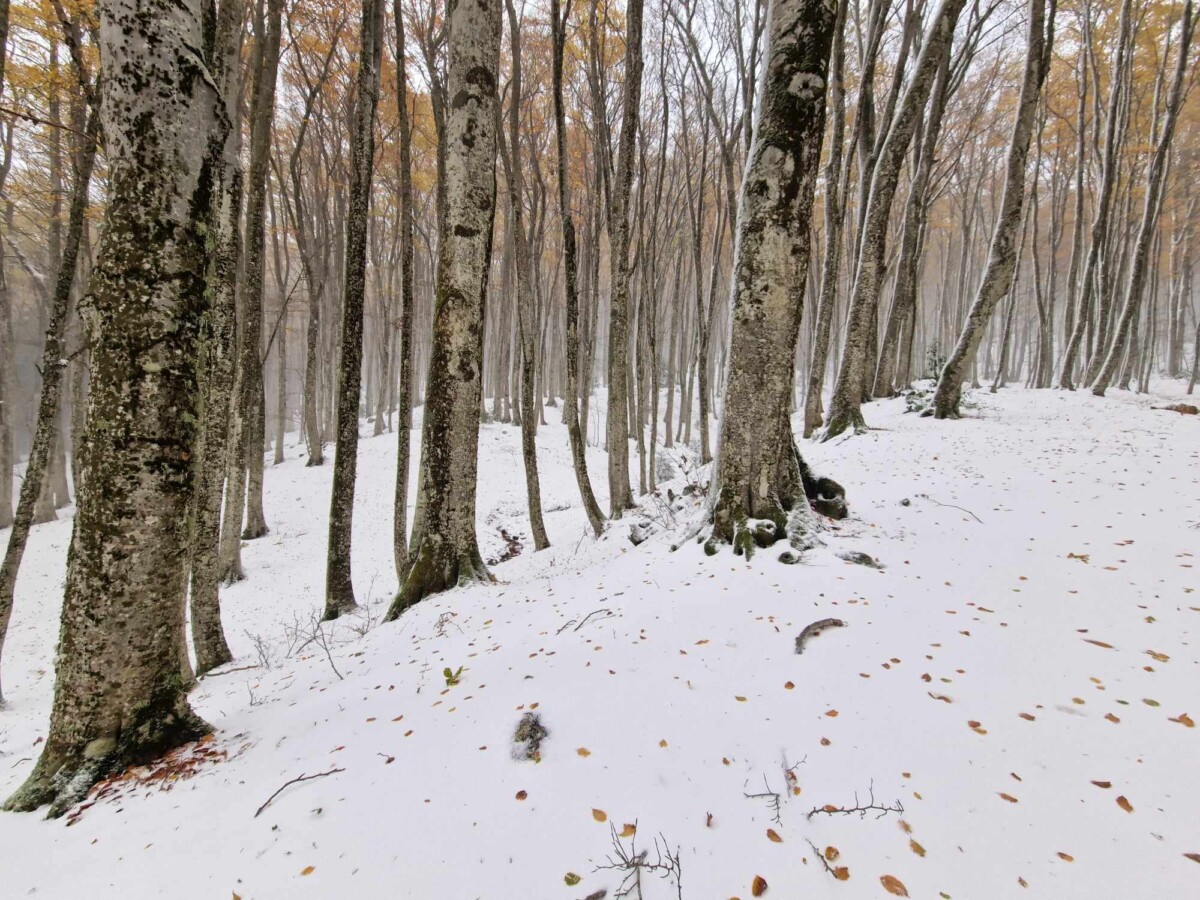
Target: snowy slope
(987, 679)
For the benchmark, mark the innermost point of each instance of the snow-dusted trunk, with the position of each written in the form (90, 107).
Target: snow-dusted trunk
(445, 551)
(404, 352)
(6, 341)
(845, 408)
(1149, 224)
(218, 346)
(339, 589)
(119, 696)
(571, 266)
(617, 426)
(1002, 256)
(757, 472)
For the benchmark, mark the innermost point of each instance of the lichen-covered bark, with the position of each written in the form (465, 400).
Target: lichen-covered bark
(46, 426)
(845, 408)
(617, 425)
(407, 300)
(757, 472)
(1002, 256)
(444, 547)
(339, 590)
(218, 347)
(119, 696)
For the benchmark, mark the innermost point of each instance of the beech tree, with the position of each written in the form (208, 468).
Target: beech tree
(119, 692)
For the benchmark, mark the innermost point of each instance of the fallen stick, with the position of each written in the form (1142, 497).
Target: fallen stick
(296, 780)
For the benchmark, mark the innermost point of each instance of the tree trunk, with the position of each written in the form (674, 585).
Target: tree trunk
(119, 696)
(339, 588)
(1002, 257)
(444, 547)
(758, 470)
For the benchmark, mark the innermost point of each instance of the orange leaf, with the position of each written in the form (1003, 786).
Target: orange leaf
(832, 713)
(1184, 719)
(599, 815)
(307, 870)
(1124, 804)
(841, 873)
(584, 751)
(1066, 856)
(629, 830)
(758, 887)
(893, 885)
(773, 835)
(831, 853)
(916, 848)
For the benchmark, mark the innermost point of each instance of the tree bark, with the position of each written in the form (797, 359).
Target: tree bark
(339, 588)
(445, 551)
(758, 469)
(119, 696)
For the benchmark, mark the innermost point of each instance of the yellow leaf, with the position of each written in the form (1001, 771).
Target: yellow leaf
(599, 815)
(893, 885)
(307, 870)
(629, 830)
(832, 853)
(663, 742)
(916, 848)
(584, 751)
(758, 887)
(1161, 657)
(773, 835)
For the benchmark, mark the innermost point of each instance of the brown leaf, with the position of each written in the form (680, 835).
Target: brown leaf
(1066, 856)
(758, 887)
(630, 828)
(941, 697)
(1184, 719)
(663, 742)
(1027, 717)
(1161, 657)
(832, 853)
(1111, 718)
(1194, 857)
(1100, 643)
(893, 885)
(599, 815)
(1103, 784)
(915, 847)
(307, 870)
(1009, 798)
(739, 699)
(825, 742)
(905, 827)
(788, 685)
(521, 795)
(773, 835)
(841, 873)
(832, 713)
(1124, 804)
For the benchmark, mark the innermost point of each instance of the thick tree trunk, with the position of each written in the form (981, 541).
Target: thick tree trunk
(119, 696)
(617, 426)
(339, 588)
(1002, 257)
(758, 470)
(845, 408)
(445, 551)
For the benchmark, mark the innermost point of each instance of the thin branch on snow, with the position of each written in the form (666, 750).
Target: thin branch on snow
(861, 808)
(296, 780)
(952, 506)
(821, 857)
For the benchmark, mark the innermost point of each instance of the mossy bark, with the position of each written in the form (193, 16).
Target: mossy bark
(757, 472)
(119, 695)
(444, 551)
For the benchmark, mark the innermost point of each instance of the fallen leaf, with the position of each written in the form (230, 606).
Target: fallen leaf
(307, 870)
(916, 848)
(1184, 719)
(832, 713)
(1161, 657)
(841, 873)
(1009, 798)
(1194, 857)
(832, 853)
(1102, 784)
(941, 697)
(584, 751)
(663, 742)
(773, 835)
(905, 827)
(1150, 702)
(1100, 643)
(571, 879)
(825, 742)
(1124, 804)
(893, 885)
(1027, 717)
(1066, 856)
(758, 887)
(739, 699)
(1022, 882)
(521, 795)
(599, 815)
(788, 685)
(630, 828)
(1111, 717)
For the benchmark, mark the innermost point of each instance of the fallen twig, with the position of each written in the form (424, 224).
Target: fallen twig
(952, 506)
(861, 808)
(227, 672)
(296, 780)
(821, 857)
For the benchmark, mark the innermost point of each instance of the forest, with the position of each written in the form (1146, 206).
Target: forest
(599, 449)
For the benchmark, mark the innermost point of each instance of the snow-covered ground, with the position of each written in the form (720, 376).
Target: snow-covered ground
(1018, 679)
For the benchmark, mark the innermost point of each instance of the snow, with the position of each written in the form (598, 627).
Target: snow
(1010, 541)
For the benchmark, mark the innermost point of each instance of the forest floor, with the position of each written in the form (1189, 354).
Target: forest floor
(1017, 679)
